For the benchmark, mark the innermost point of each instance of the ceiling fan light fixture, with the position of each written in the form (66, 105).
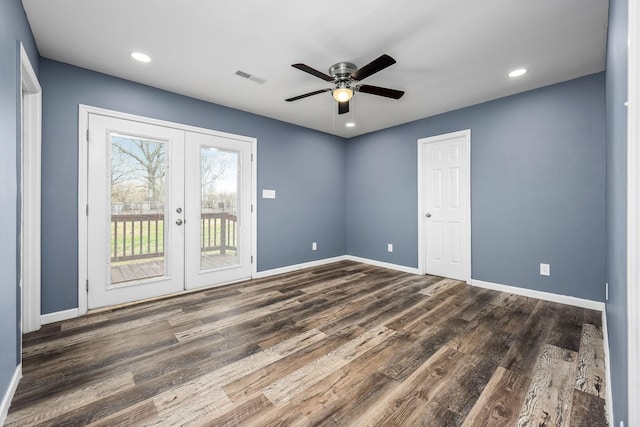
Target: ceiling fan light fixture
(342, 94)
(346, 77)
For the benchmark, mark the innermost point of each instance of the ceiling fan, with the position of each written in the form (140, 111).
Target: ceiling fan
(345, 76)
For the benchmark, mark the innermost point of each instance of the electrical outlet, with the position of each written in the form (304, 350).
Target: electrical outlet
(314, 246)
(545, 269)
(390, 247)
(606, 291)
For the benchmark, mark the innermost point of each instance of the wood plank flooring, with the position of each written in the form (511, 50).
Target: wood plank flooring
(342, 344)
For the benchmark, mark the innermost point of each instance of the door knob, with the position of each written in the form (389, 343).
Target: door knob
(179, 210)
(179, 221)
(428, 215)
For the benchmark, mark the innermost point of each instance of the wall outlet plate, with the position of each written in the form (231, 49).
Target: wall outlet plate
(314, 246)
(545, 269)
(390, 247)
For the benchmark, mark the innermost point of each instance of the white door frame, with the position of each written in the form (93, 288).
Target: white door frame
(422, 244)
(31, 110)
(633, 213)
(83, 126)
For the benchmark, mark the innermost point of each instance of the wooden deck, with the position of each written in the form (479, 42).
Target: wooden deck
(337, 345)
(143, 269)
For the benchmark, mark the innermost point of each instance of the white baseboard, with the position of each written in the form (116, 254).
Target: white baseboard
(59, 315)
(390, 266)
(291, 268)
(546, 296)
(607, 367)
(8, 396)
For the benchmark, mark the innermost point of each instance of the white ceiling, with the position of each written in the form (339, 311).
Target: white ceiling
(450, 53)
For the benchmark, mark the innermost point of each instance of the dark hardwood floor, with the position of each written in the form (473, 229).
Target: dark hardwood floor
(341, 344)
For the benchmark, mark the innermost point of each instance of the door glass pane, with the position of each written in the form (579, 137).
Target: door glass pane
(138, 168)
(219, 176)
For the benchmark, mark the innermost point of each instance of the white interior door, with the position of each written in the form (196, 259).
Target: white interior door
(446, 205)
(218, 210)
(135, 211)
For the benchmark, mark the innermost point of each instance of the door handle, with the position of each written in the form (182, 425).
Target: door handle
(428, 215)
(179, 221)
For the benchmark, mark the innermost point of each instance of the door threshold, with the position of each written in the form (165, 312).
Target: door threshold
(163, 297)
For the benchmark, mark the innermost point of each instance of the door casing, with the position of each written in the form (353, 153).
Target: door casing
(30, 265)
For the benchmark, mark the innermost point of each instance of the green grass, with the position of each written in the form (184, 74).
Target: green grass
(148, 238)
(146, 234)
(214, 232)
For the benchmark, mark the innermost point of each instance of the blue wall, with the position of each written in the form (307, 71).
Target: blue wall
(305, 167)
(539, 156)
(537, 188)
(14, 29)
(616, 84)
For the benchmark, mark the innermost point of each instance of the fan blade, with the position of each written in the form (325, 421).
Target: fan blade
(373, 67)
(380, 91)
(313, 72)
(343, 107)
(295, 98)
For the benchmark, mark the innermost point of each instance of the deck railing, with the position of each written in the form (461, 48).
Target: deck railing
(218, 232)
(141, 236)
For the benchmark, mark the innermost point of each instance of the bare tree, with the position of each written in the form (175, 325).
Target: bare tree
(138, 164)
(149, 160)
(121, 179)
(211, 169)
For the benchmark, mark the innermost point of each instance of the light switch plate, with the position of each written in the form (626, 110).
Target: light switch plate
(268, 194)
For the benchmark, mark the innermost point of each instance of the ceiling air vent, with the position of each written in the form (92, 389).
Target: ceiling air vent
(248, 76)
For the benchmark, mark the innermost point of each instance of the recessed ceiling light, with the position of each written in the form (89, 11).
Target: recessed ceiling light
(139, 56)
(351, 125)
(518, 72)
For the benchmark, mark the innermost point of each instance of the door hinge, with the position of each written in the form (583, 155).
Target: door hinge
(252, 157)
(251, 259)
(87, 135)
(87, 210)
(251, 208)
(87, 285)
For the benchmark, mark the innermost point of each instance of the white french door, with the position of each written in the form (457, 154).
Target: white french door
(445, 207)
(135, 204)
(167, 210)
(218, 209)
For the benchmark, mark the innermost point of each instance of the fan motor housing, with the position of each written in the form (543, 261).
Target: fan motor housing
(342, 70)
